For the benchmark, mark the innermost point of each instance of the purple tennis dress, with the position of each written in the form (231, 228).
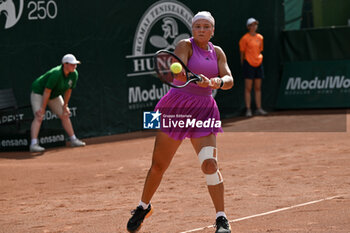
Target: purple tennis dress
(191, 112)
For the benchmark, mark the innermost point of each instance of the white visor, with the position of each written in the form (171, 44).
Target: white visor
(204, 15)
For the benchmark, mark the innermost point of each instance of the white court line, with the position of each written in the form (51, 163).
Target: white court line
(266, 213)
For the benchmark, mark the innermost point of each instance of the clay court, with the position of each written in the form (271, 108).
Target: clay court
(294, 162)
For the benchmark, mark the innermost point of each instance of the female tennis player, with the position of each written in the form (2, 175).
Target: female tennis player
(203, 58)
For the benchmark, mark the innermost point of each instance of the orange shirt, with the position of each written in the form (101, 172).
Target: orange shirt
(252, 47)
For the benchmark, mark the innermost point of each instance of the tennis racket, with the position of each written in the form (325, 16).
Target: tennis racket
(163, 60)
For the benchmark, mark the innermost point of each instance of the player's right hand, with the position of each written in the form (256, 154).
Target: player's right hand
(205, 81)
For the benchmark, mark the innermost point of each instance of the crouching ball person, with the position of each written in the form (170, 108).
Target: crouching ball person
(203, 58)
(48, 89)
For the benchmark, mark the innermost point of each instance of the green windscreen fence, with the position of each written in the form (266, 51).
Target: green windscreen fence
(115, 41)
(316, 44)
(315, 14)
(328, 13)
(293, 10)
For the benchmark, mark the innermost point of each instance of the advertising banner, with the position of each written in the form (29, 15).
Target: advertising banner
(315, 84)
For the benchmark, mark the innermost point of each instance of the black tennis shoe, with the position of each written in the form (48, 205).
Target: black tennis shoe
(138, 215)
(222, 225)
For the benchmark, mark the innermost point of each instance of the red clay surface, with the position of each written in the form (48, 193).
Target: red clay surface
(268, 163)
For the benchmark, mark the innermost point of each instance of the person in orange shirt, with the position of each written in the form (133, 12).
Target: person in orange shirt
(251, 45)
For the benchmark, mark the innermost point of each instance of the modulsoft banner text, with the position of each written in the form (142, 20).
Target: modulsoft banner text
(315, 84)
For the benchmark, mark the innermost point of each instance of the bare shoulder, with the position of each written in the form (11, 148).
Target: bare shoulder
(219, 51)
(184, 49)
(185, 43)
(260, 36)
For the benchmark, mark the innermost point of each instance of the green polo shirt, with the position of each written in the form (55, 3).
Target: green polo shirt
(55, 80)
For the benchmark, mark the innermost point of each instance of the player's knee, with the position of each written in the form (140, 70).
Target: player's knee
(209, 166)
(207, 157)
(208, 160)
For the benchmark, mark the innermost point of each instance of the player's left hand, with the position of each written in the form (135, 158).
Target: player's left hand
(216, 82)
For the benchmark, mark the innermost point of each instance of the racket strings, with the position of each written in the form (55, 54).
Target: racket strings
(163, 62)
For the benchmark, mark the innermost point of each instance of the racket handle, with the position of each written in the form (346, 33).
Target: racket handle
(200, 80)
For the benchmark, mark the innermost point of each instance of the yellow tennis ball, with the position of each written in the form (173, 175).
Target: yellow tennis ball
(176, 67)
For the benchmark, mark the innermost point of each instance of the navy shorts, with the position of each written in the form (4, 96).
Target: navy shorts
(252, 72)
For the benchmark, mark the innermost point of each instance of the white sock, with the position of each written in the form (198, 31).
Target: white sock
(72, 138)
(220, 213)
(34, 141)
(144, 205)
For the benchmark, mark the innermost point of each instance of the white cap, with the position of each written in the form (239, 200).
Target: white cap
(69, 58)
(204, 15)
(251, 20)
